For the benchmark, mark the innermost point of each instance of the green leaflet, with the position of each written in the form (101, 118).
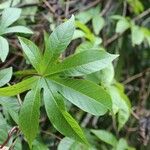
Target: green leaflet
(70, 144)
(122, 25)
(105, 136)
(120, 105)
(98, 23)
(83, 63)
(4, 48)
(9, 16)
(3, 129)
(137, 35)
(18, 29)
(39, 145)
(19, 87)
(58, 41)
(32, 52)
(58, 115)
(10, 106)
(5, 76)
(85, 94)
(29, 114)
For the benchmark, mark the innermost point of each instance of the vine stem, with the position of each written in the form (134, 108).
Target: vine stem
(10, 134)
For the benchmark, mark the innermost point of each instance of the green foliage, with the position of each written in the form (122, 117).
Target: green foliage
(110, 139)
(9, 16)
(74, 99)
(5, 76)
(29, 125)
(136, 5)
(56, 82)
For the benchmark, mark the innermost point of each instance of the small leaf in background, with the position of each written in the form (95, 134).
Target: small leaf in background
(18, 29)
(136, 5)
(70, 144)
(5, 76)
(106, 137)
(122, 25)
(120, 105)
(98, 23)
(3, 129)
(84, 17)
(122, 144)
(78, 34)
(66, 143)
(10, 106)
(4, 48)
(136, 35)
(29, 115)
(146, 33)
(38, 145)
(84, 47)
(9, 16)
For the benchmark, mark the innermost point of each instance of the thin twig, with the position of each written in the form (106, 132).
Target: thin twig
(10, 61)
(49, 133)
(11, 3)
(124, 8)
(106, 8)
(146, 12)
(67, 8)
(136, 76)
(19, 99)
(27, 5)
(10, 134)
(90, 5)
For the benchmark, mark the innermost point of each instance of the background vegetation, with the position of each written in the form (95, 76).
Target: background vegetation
(116, 26)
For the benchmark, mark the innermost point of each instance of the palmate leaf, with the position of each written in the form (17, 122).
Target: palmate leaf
(83, 63)
(84, 94)
(29, 114)
(58, 115)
